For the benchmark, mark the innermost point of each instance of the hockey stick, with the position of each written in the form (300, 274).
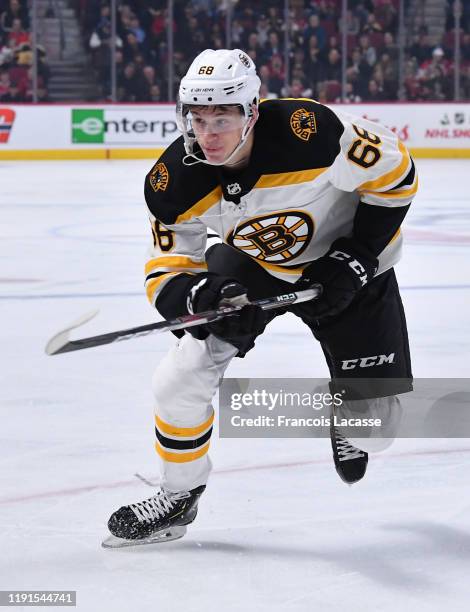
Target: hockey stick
(60, 343)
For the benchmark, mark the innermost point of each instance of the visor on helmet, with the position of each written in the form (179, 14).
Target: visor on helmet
(215, 122)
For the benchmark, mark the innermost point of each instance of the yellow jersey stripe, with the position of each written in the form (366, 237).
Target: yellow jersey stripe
(288, 178)
(185, 432)
(396, 195)
(281, 269)
(183, 457)
(155, 282)
(303, 99)
(391, 176)
(395, 236)
(178, 261)
(202, 206)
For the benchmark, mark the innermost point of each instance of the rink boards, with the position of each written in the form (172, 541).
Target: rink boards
(138, 131)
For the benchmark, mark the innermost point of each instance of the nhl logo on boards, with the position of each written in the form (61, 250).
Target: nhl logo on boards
(234, 188)
(303, 123)
(159, 177)
(7, 118)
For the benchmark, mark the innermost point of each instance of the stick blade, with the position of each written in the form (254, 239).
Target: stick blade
(59, 340)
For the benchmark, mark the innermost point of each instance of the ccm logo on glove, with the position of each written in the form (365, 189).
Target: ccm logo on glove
(354, 264)
(342, 272)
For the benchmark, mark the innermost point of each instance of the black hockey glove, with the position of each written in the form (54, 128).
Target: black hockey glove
(214, 291)
(342, 272)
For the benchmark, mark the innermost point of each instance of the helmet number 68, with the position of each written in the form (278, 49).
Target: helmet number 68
(206, 70)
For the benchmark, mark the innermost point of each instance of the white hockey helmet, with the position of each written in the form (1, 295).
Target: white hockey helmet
(218, 77)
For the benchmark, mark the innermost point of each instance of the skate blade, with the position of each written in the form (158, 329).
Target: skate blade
(167, 535)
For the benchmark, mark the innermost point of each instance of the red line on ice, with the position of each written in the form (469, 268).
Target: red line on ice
(248, 468)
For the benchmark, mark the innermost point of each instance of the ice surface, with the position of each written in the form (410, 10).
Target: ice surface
(277, 529)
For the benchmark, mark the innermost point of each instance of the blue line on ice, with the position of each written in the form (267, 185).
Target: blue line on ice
(66, 296)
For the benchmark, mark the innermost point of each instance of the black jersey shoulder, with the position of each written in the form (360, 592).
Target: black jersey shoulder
(297, 134)
(171, 188)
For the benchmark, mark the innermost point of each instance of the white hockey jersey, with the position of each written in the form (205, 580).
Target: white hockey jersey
(314, 176)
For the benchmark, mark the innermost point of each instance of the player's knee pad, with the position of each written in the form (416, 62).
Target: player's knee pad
(186, 379)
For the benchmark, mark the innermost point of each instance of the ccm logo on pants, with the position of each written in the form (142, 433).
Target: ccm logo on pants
(367, 362)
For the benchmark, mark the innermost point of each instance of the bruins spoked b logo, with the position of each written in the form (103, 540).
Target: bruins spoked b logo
(159, 177)
(303, 123)
(274, 238)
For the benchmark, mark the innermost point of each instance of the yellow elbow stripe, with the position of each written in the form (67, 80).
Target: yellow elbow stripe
(394, 195)
(178, 261)
(392, 176)
(153, 284)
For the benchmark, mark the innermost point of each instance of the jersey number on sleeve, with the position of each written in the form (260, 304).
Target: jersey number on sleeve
(364, 151)
(163, 236)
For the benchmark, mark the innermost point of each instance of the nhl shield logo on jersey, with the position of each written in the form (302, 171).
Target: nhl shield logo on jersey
(159, 177)
(274, 238)
(303, 123)
(234, 188)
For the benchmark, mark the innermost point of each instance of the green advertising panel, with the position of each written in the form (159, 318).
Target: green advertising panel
(88, 125)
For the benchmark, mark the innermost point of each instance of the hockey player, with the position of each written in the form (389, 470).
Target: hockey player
(299, 195)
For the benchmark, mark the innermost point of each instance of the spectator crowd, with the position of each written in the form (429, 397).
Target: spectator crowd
(311, 66)
(16, 55)
(314, 47)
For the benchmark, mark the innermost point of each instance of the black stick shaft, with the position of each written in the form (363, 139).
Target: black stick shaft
(186, 321)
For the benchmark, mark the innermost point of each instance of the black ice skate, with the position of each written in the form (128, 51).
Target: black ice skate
(161, 518)
(350, 462)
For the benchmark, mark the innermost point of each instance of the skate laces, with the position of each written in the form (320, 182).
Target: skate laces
(156, 507)
(346, 450)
